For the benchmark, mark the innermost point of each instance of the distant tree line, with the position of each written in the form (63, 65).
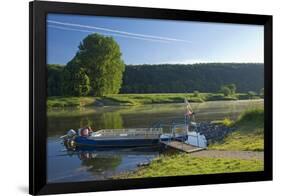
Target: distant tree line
(227, 78)
(207, 77)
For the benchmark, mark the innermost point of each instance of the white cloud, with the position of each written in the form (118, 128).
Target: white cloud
(169, 39)
(110, 34)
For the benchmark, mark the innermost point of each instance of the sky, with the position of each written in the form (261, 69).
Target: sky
(154, 41)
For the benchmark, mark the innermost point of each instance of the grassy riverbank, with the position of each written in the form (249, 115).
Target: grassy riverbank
(60, 102)
(249, 135)
(139, 99)
(184, 164)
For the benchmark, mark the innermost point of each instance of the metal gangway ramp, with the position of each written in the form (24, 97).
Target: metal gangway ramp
(178, 135)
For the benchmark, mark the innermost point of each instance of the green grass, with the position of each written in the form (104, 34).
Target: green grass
(183, 164)
(249, 135)
(141, 99)
(137, 99)
(54, 102)
(226, 122)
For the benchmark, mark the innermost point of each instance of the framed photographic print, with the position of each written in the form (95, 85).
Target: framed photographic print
(130, 97)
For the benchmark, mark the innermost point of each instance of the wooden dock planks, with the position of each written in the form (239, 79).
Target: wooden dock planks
(182, 146)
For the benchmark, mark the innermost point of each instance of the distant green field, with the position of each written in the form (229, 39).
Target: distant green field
(249, 135)
(138, 99)
(56, 102)
(183, 164)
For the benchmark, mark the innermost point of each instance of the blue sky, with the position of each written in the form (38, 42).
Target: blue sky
(150, 41)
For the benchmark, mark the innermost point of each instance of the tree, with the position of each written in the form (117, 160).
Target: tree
(252, 94)
(100, 56)
(75, 81)
(262, 92)
(54, 80)
(228, 89)
(225, 90)
(232, 88)
(196, 94)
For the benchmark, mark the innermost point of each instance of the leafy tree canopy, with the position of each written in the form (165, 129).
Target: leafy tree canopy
(100, 57)
(205, 77)
(75, 81)
(54, 82)
(225, 90)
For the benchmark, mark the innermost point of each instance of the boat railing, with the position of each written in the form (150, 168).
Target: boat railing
(129, 132)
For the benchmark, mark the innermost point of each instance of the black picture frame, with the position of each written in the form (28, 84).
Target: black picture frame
(37, 100)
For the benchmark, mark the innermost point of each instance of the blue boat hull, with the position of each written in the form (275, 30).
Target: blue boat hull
(120, 142)
(84, 141)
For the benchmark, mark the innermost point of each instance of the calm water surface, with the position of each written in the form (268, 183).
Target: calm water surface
(66, 166)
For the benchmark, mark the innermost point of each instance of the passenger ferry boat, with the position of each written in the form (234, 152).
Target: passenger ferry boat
(133, 137)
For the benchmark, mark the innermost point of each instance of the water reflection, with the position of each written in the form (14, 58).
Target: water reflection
(82, 164)
(143, 116)
(96, 163)
(112, 120)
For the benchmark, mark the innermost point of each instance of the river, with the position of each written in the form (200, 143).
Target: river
(66, 166)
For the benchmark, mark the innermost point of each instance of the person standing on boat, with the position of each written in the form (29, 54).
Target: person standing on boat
(188, 114)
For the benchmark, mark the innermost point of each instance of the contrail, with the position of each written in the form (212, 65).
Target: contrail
(117, 31)
(111, 34)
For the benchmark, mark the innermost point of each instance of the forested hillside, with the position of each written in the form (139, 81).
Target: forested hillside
(208, 77)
